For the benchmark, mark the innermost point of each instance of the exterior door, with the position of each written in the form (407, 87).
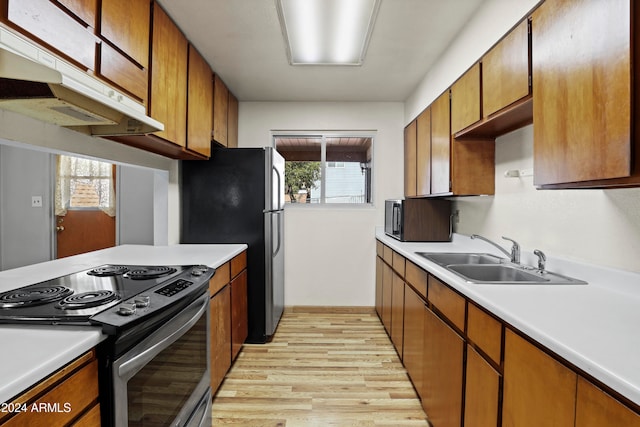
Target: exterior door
(85, 221)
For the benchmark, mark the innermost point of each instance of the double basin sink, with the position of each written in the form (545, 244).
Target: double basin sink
(482, 268)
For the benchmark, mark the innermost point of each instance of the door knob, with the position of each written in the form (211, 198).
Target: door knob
(60, 228)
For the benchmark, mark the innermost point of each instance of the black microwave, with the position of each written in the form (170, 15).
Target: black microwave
(418, 220)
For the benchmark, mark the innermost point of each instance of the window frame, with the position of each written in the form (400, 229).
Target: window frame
(323, 161)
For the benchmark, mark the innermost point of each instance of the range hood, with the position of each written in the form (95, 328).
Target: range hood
(37, 84)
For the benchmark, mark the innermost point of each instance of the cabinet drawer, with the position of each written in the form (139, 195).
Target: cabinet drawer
(116, 68)
(220, 279)
(90, 419)
(75, 393)
(379, 248)
(447, 302)
(238, 263)
(387, 255)
(417, 278)
(53, 26)
(485, 331)
(397, 262)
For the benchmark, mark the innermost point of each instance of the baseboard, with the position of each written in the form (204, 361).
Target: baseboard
(330, 309)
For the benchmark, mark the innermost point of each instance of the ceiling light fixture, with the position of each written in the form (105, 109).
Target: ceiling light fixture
(327, 32)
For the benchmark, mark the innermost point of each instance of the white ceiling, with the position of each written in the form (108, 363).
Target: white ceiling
(242, 41)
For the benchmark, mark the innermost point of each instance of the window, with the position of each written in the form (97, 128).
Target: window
(84, 184)
(326, 168)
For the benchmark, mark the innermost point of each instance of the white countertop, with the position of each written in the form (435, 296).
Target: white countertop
(30, 353)
(594, 326)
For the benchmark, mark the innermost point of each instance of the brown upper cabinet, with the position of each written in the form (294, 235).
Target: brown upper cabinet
(124, 52)
(85, 10)
(494, 96)
(458, 167)
(58, 28)
(584, 91)
(423, 153)
(168, 103)
(506, 72)
(200, 104)
(441, 145)
(220, 111)
(465, 99)
(410, 159)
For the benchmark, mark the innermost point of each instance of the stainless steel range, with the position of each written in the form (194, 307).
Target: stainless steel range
(155, 362)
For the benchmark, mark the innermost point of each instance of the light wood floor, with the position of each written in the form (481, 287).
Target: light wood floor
(321, 369)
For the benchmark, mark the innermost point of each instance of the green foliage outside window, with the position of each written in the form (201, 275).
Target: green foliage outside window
(300, 176)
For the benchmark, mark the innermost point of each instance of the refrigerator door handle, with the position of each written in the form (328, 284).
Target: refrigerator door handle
(277, 173)
(278, 233)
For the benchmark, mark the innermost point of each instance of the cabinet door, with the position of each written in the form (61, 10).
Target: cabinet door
(86, 10)
(53, 26)
(126, 24)
(168, 97)
(423, 153)
(441, 145)
(397, 313)
(232, 122)
(443, 371)
(379, 267)
(387, 283)
(465, 99)
(538, 390)
(581, 59)
(220, 337)
(220, 111)
(199, 104)
(505, 71)
(410, 159)
(239, 313)
(482, 392)
(412, 358)
(595, 408)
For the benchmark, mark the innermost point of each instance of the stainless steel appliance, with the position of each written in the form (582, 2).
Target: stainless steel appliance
(151, 314)
(418, 220)
(237, 196)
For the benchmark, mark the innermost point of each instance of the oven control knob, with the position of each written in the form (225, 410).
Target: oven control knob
(142, 301)
(126, 309)
(199, 271)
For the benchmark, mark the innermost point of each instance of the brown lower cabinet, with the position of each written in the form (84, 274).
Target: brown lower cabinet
(442, 372)
(228, 316)
(470, 368)
(75, 386)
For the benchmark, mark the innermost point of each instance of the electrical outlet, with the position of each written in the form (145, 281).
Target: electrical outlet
(36, 201)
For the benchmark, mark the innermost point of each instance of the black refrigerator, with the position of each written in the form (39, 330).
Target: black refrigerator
(237, 196)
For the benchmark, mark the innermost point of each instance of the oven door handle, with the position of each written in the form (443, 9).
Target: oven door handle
(156, 342)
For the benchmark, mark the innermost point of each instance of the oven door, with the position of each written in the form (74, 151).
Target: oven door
(164, 380)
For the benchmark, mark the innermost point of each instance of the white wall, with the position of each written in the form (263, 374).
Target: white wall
(330, 250)
(595, 226)
(29, 133)
(25, 232)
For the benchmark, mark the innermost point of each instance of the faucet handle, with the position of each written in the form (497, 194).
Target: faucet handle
(542, 259)
(515, 250)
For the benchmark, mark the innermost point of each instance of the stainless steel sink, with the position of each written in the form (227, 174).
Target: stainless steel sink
(480, 268)
(449, 258)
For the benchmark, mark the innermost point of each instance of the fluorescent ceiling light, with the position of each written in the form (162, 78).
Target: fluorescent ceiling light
(327, 32)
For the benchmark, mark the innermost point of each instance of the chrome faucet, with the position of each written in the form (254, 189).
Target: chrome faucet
(542, 259)
(514, 256)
